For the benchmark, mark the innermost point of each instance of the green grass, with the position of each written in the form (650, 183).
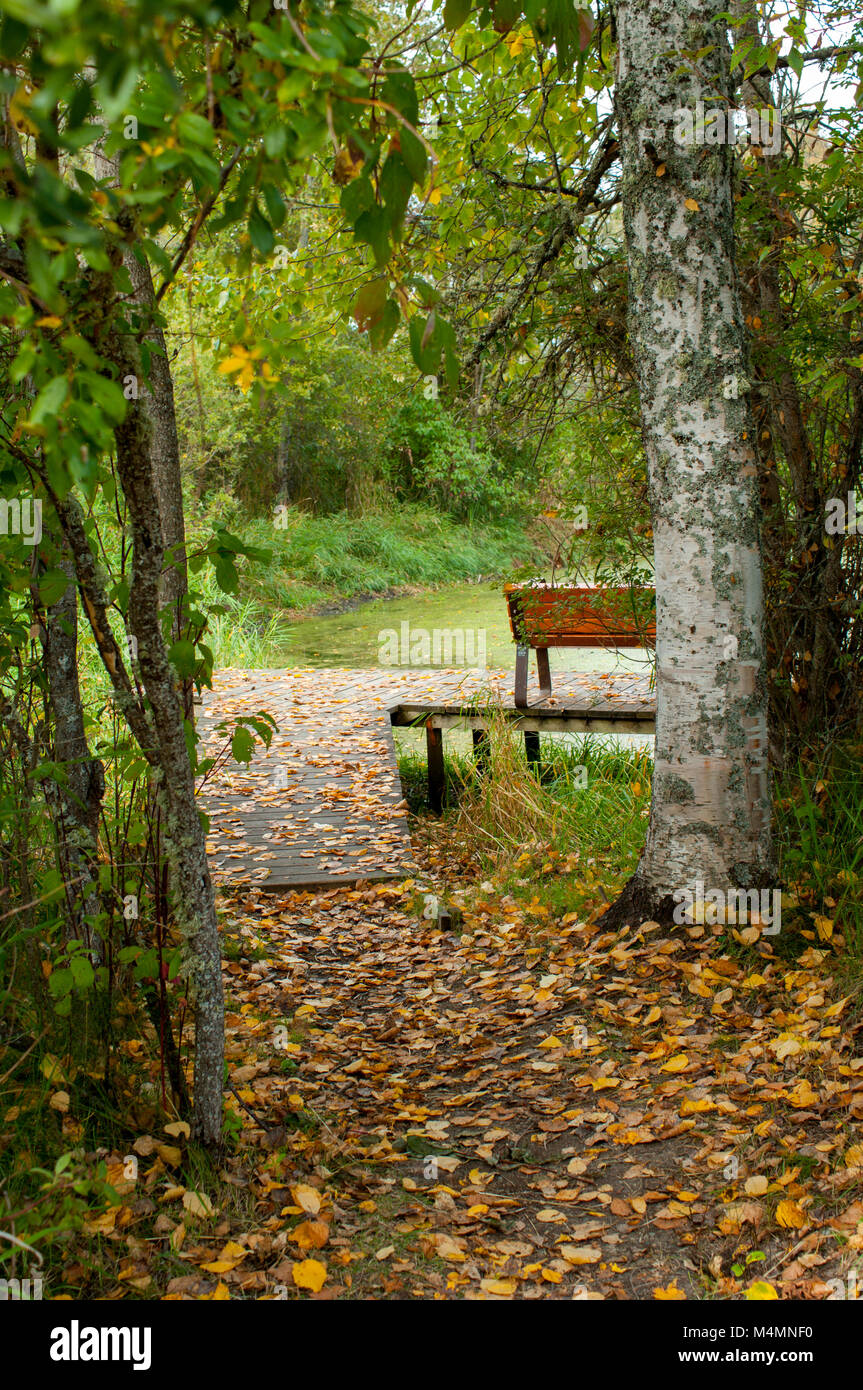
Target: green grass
(819, 834)
(551, 837)
(247, 635)
(324, 559)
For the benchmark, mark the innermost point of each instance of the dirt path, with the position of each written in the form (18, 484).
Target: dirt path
(535, 1109)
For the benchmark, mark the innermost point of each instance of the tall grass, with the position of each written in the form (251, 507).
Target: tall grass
(587, 805)
(319, 559)
(248, 634)
(819, 828)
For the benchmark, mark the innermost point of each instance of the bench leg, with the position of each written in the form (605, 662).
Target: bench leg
(480, 750)
(531, 748)
(434, 750)
(543, 670)
(521, 659)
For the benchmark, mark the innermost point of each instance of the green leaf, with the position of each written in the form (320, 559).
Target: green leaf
(242, 745)
(107, 394)
(49, 399)
(261, 233)
(357, 197)
(383, 329)
(182, 655)
(795, 61)
(396, 186)
(455, 12)
(368, 305)
(147, 967)
(227, 577)
(52, 586)
(82, 971)
(414, 155)
(195, 129)
(400, 91)
(373, 227)
(60, 982)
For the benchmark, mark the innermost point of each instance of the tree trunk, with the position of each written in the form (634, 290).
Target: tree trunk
(193, 898)
(159, 728)
(158, 402)
(710, 813)
(164, 446)
(79, 799)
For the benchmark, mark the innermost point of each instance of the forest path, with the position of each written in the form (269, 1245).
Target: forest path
(528, 1108)
(324, 803)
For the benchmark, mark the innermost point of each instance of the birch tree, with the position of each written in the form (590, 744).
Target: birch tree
(710, 814)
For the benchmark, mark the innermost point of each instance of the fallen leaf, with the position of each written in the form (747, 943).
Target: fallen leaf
(309, 1274)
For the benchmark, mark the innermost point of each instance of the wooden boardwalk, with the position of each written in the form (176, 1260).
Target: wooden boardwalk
(323, 805)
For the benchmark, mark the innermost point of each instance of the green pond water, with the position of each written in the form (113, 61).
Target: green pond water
(412, 631)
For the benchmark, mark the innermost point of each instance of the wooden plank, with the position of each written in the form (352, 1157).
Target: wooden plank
(555, 721)
(324, 804)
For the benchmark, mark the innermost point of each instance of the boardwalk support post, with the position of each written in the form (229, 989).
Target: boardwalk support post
(480, 749)
(434, 747)
(531, 748)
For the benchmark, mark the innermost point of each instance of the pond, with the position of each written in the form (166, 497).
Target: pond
(458, 625)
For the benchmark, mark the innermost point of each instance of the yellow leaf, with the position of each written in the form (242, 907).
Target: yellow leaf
(756, 1186)
(447, 1248)
(52, 1070)
(169, 1154)
(220, 1293)
(654, 1014)
(309, 1274)
(233, 1251)
(447, 1163)
(761, 1290)
(49, 321)
(835, 1009)
(670, 1292)
(197, 1204)
(803, 1095)
(854, 1156)
(310, 1235)
(178, 1127)
(678, 1063)
(60, 1101)
(501, 1287)
(219, 1266)
(102, 1223)
(790, 1213)
(697, 1107)
(552, 1276)
(434, 197)
(823, 926)
(551, 1041)
(581, 1254)
(691, 205)
(307, 1197)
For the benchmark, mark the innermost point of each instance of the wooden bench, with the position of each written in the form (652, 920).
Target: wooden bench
(571, 616)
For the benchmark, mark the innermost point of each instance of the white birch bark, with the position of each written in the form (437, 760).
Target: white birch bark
(710, 814)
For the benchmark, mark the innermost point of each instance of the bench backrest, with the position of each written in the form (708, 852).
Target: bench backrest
(580, 617)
